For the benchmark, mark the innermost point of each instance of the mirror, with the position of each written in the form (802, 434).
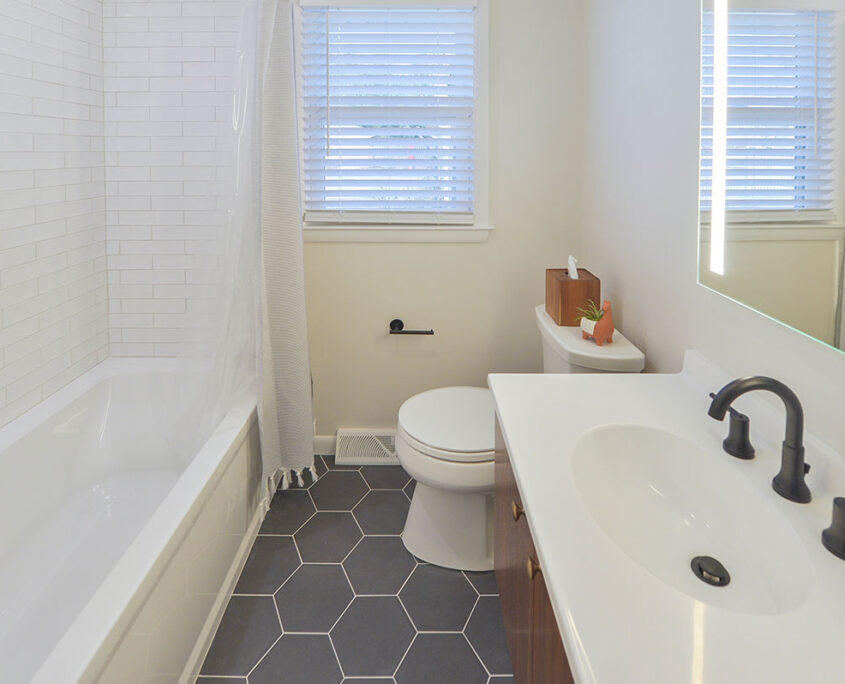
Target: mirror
(772, 183)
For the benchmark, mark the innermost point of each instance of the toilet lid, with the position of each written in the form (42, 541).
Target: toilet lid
(459, 419)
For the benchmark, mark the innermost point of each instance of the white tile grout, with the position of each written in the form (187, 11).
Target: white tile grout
(405, 654)
(264, 655)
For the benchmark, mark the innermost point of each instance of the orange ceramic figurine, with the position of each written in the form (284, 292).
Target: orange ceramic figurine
(600, 330)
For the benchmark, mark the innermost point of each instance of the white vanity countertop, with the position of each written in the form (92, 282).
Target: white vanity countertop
(621, 624)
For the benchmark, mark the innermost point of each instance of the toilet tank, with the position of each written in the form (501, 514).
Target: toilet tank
(565, 351)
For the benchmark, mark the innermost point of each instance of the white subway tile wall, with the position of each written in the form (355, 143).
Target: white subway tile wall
(53, 279)
(115, 145)
(168, 112)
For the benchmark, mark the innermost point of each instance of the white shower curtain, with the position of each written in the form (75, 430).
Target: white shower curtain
(266, 285)
(250, 299)
(285, 398)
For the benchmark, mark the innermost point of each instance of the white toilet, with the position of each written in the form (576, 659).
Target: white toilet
(445, 441)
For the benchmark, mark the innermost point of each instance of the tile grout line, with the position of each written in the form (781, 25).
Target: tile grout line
(355, 546)
(340, 617)
(407, 651)
(478, 657)
(334, 650)
(272, 646)
(405, 608)
(278, 614)
(471, 613)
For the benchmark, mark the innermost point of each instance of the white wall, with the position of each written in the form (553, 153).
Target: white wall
(479, 298)
(52, 207)
(168, 97)
(641, 211)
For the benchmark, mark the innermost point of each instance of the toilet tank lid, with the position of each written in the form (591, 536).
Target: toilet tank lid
(620, 356)
(461, 419)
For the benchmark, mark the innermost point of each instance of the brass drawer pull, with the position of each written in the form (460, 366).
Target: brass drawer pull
(517, 510)
(533, 568)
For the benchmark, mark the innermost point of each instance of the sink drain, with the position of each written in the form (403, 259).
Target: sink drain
(711, 571)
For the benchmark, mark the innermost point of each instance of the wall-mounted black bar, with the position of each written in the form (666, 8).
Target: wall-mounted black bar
(397, 327)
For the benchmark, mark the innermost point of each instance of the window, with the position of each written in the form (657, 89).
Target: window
(781, 109)
(389, 114)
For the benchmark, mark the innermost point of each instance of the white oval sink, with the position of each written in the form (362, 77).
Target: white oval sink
(664, 501)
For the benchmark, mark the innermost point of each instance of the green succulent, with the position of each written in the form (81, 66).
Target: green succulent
(591, 311)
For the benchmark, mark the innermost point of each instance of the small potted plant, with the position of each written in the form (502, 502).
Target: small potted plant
(597, 322)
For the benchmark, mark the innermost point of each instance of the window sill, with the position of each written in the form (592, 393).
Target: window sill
(777, 233)
(395, 233)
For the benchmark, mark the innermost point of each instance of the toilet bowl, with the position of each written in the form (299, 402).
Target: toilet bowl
(445, 441)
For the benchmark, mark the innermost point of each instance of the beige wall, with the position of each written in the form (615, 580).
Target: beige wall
(794, 281)
(641, 211)
(479, 298)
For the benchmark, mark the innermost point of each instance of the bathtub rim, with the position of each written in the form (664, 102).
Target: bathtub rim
(83, 650)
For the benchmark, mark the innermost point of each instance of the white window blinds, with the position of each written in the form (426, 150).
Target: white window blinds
(387, 98)
(781, 69)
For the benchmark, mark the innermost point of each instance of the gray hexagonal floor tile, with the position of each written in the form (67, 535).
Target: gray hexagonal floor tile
(438, 599)
(327, 537)
(339, 490)
(382, 512)
(289, 510)
(486, 632)
(388, 633)
(300, 658)
(441, 658)
(313, 598)
(270, 562)
(248, 628)
(385, 477)
(379, 565)
(331, 465)
(484, 582)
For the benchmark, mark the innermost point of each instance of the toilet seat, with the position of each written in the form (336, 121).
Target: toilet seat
(444, 454)
(445, 440)
(450, 424)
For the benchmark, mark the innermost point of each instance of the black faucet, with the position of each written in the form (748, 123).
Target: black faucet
(789, 482)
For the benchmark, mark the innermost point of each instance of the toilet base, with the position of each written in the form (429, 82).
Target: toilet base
(450, 529)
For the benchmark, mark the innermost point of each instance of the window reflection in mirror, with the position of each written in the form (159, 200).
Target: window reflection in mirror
(772, 195)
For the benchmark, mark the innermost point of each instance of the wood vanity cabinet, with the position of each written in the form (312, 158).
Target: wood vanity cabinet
(534, 641)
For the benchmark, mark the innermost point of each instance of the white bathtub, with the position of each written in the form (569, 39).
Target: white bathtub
(117, 549)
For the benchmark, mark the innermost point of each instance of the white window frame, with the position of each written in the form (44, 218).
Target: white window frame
(480, 229)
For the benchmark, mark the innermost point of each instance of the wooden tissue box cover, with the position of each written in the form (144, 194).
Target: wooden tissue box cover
(564, 296)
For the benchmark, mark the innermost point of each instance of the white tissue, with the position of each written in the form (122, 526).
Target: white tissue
(573, 267)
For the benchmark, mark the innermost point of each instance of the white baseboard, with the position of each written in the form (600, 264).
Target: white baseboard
(213, 622)
(324, 445)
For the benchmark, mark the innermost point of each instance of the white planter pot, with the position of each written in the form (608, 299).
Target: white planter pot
(588, 326)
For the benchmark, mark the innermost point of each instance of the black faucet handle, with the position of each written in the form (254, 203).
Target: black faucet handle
(731, 409)
(738, 443)
(833, 537)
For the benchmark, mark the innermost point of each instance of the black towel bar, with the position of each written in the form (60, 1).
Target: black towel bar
(397, 327)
